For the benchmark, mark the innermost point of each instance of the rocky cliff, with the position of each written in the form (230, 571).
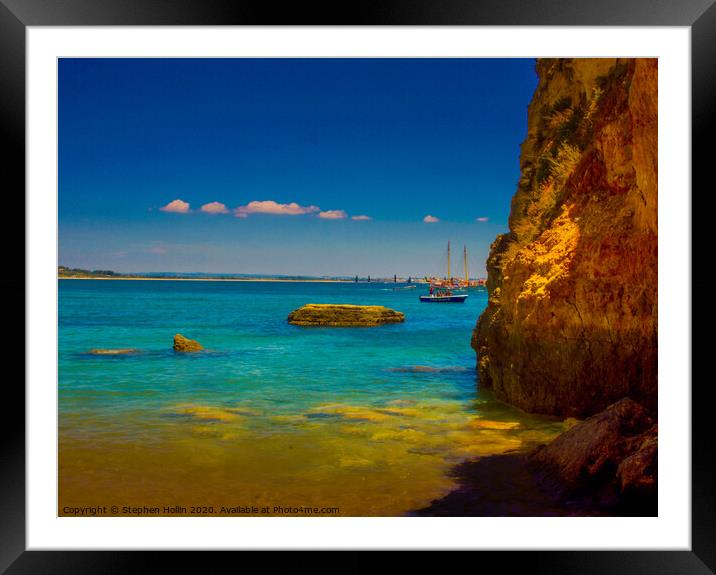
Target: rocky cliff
(571, 324)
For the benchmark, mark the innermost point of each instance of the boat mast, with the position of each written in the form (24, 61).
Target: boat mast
(467, 279)
(448, 276)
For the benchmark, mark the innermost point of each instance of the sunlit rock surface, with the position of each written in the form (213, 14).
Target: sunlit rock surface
(344, 315)
(571, 324)
(182, 344)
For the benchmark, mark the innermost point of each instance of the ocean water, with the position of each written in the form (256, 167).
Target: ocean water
(368, 421)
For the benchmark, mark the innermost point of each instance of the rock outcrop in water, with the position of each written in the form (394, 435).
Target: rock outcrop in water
(344, 315)
(571, 323)
(184, 344)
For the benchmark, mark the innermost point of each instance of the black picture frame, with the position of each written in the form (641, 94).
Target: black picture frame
(17, 15)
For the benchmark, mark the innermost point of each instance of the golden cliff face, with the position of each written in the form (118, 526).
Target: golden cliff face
(571, 324)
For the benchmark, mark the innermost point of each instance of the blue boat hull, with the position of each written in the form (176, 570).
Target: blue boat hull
(460, 298)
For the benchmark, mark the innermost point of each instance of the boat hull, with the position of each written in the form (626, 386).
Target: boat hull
(460, 298)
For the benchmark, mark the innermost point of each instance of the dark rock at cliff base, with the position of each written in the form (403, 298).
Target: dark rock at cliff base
(611, 455)
(344, 315)
(638, 474)
(183, 344)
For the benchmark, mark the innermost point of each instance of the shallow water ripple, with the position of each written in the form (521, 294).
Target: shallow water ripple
(369, 420)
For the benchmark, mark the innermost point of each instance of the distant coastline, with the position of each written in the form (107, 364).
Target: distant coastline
(208, 279)
(65, 273)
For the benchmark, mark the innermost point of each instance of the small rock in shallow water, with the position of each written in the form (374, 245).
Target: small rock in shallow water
(182, 343)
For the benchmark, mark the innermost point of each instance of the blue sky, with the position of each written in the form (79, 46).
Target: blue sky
(283, 154)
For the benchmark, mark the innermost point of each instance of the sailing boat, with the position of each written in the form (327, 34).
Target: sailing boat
(466, 282)
(441, 293)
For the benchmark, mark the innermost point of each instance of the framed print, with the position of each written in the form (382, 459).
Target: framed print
(237, 222)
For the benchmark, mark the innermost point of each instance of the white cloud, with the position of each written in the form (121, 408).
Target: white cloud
(333, 215)
(157, 250)
(214, 208)
(177, 207)
(271, 207)
(361, 218)
(430, 219)
(481, 219)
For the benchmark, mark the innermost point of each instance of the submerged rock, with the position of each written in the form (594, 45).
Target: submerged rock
(206, 413)
(611, 455)
(344, 315)
(428, 369)
(182, 343)
(117, 351)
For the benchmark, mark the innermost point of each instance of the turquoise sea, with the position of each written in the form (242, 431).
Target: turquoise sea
(366, 420)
